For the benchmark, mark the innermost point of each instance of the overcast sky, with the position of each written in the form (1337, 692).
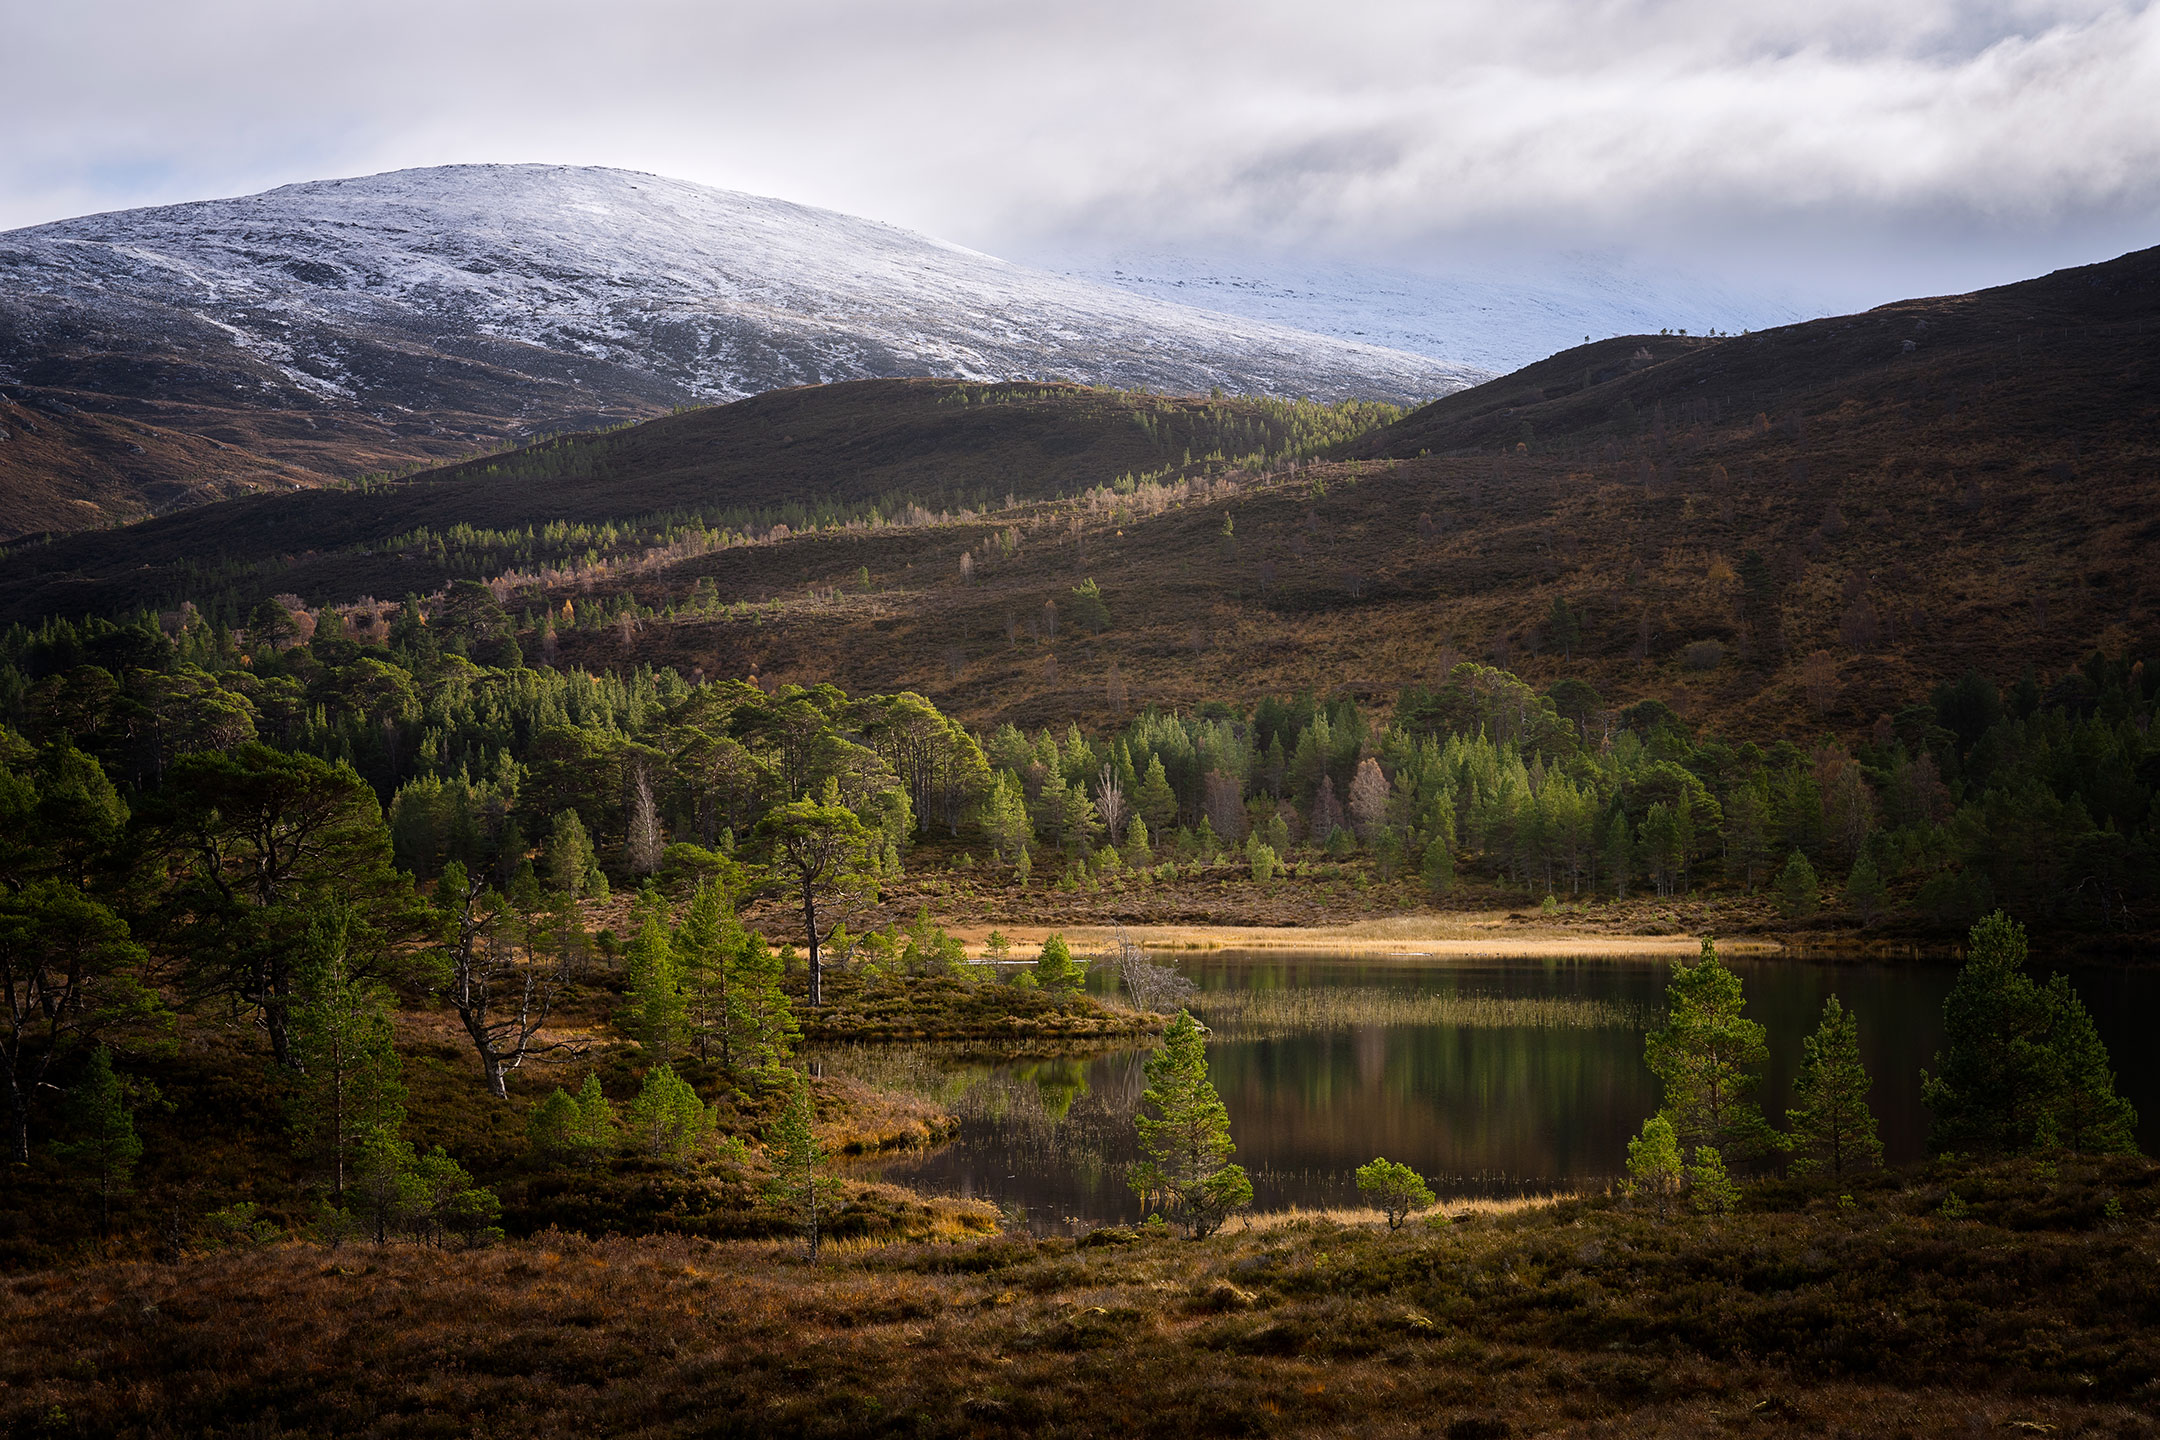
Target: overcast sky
(1856, 149)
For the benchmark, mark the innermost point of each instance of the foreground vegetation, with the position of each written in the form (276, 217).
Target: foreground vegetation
(1860, 1311)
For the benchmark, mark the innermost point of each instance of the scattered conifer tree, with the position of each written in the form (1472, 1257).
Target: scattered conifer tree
(1619, 855)
(1138, 853)
(1831, 1131)
(1710, 1189)
(1396, 1189)
(1704, 1052)
(701, 947)
(1157, 802)
(105, 1147)
(2021, 1067)
(1653, 1162)
(570, 862)
(2087, 1115)
(552, 1125)
(1185, 1144)
(657, 1009)
(1864, 889)
(386, 1187)
(761, 1022)
(799, 1186)
(349, 1083)
(1055, 969)
(1799, 892)
(667, 1119)
(595, 1132)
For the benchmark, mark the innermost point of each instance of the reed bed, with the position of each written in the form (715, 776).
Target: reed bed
(1273, 1014)
(1453, 1209)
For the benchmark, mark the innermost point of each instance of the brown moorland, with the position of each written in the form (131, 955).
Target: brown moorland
(1780, 533)
(1872, 1313)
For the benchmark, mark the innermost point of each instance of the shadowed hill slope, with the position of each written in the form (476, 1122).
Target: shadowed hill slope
(802, 457)
(2062, 359)
(1804, 529)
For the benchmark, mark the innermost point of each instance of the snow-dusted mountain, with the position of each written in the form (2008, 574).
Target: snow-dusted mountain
(512, 288)
(1499, 318)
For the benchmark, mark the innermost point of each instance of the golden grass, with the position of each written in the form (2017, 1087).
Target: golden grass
(1524, 1317)
(1458, 934)
(1276, 1013)
(1458, 1209)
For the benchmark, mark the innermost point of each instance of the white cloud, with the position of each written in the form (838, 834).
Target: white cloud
(1866, 144)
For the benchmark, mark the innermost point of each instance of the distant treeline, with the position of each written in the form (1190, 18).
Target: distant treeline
(2040, 799)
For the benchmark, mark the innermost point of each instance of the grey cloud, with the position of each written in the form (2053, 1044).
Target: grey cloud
(1880, 143)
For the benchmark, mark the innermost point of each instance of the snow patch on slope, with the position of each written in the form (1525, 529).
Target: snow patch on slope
(714, 294)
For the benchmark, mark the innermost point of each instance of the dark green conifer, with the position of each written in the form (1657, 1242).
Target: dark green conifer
(1831, 1130)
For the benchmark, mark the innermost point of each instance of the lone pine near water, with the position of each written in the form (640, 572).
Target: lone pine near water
(899, 843)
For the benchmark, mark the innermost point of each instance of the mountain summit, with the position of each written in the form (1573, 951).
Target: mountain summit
(347, 324)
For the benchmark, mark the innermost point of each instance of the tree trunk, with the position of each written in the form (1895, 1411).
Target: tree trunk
(817, 969)
(18, 1130)
(491, 1061)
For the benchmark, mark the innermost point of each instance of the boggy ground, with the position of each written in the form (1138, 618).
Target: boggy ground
(1804, 1314)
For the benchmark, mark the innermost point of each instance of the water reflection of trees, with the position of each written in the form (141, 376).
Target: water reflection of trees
(1047, 1135)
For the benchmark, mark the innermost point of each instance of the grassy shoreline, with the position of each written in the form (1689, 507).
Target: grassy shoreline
(1473, 933)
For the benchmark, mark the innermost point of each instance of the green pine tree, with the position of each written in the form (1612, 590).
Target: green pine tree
(1185, 1144)
(1619, 855)
(1799, 892)
(551, 1126)
(657, 1010)
(1138, 852)
(667, 1120)
(1157, 802)
(105, 1147)
(349, 1083)
(2021, 1067)
(1396, 1189)
(1653, 1162)
(1710, 1189)
(570, 862)
(761, 1022)
(1704, 1053)
(1055, 969)
(386, 1187)
(1864, 889)
(2086, 1115)
(799, 1185)
(701, 946)
(594, 1134)
(1830, 1129)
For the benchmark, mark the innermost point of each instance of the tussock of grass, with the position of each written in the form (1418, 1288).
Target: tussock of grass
(1273, 1014)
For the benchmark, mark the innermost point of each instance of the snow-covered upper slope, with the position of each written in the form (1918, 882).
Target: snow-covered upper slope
(677, 290)
(1499, 318)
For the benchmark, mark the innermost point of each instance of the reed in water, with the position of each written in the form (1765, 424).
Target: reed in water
(1275, 1013)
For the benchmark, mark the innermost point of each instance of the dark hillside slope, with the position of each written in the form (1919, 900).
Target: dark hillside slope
(2064, 359)
(804, 456)
(1805, 529)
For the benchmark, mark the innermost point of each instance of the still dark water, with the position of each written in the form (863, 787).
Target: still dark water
(1478, 1108)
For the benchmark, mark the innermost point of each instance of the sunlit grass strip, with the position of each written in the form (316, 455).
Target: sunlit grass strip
(1455, 1209)
(1271, 1014)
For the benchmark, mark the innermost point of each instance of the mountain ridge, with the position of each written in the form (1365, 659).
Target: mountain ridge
(334, 327)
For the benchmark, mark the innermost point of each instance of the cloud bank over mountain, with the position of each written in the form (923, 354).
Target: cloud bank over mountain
(1859, 150)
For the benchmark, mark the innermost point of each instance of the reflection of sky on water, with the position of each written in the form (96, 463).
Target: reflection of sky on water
(1479, 1110)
